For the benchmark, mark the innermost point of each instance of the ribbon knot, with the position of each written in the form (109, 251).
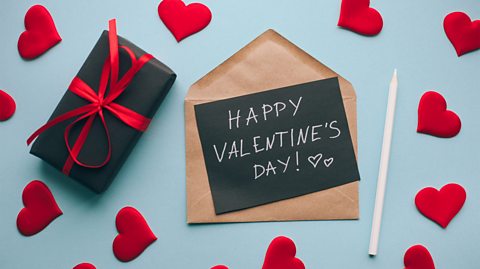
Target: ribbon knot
(99, 102)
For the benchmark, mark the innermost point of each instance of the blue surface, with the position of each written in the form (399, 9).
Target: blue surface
(153, 179)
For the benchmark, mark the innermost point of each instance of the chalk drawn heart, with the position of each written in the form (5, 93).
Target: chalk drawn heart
(328, 162)
(315, 159)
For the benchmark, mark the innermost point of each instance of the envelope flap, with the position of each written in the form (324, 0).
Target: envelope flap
(282, 64)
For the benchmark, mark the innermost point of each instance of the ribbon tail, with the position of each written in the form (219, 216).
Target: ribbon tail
(114, 57)
(82, 137)
(74, 113)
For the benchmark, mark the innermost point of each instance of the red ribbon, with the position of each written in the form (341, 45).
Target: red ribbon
(99, 102)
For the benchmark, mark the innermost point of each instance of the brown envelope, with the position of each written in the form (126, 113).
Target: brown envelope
(268, 62)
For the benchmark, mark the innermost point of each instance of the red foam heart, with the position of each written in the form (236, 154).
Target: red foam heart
(7, 106)
(40, 33)
(281, 255)
(84, 266)
(441, 206)
(134, 234)
(184, 20)
(435, 119)
(40, 208)
(418, 257)
(359, 17)
(463, 33)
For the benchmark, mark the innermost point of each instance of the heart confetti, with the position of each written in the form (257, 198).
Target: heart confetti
(281, 255)
(359, 17)
(441, 206)
(184, 20)
(40, 208)
(84, 266)
(463, 33)
(134, 234)
(40, 33)
(418, 257)
(434, 118)
(7, 106)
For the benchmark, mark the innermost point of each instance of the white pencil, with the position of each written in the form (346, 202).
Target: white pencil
(383, 170)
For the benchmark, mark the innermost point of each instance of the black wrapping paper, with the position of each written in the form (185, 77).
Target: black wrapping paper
(144, 96)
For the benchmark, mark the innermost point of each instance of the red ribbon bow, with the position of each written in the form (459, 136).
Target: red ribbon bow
(99, 102)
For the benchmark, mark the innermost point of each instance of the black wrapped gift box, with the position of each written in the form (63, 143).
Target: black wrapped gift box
(144, 95)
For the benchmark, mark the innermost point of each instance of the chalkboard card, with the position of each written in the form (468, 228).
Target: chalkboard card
(274, 145)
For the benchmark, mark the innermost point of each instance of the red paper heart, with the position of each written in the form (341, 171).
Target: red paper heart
(184, 20)
(435, 119)
(418, 257)
(441, 206)
(40, 33)
(281, 255)
(7, 106)
(84, 266)
(40, 208)
(134, 234)
(219, 267)
(462, 32)
(359, 17)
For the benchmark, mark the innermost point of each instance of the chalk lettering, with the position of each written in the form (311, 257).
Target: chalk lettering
(230, 119)
(220, 157)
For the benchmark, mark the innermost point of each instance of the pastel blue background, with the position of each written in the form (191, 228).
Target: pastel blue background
(153, 179)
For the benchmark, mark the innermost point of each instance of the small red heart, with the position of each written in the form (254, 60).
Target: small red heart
(184, 20)
(84, 266)
(7, 106)
(281, 255)
(463, 33)
(434, 118)
(441, 206)
(359, 17)
(40, 208)
(40, 33)
(134, 234)
(219, 267)
(418, 257)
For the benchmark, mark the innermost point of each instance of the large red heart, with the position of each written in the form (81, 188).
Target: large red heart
(435, 119)
(84, 266)
(40, 33)
(7, 106)
(134, 234)
(418, 257)
(40, 208)
(359, 17)
(441, 206)
(219, 267)
(184, 20)
(462, 32)
(281, 255)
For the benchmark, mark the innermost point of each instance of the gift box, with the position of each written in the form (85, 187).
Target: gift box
(107, 107)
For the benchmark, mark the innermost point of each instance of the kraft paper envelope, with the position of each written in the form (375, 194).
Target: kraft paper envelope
(268, 62)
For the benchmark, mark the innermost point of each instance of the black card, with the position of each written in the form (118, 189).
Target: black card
(274, 145)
